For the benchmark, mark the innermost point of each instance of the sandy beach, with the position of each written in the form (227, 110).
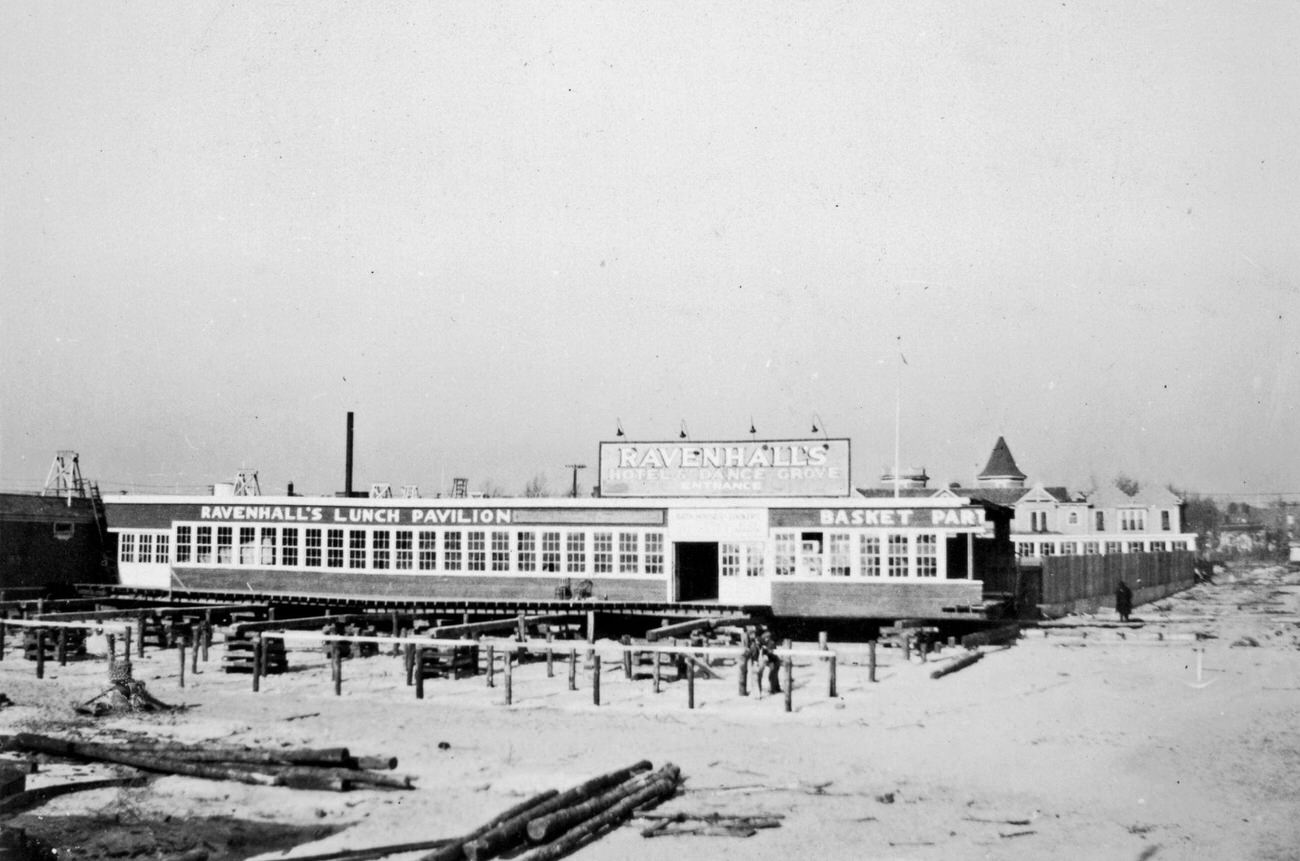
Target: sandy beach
(1076, 742)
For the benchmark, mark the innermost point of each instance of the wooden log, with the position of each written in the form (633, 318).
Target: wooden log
(550, 825)
(455, 849)
(654, 792)
(373, 852)
(374, 763)
(514, 830)
(104, 753)
(337, 757)
(32, 797)
(994, 637)
(491, 663)
(960, 663)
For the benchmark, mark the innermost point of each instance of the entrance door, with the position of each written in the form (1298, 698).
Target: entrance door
(695, 570)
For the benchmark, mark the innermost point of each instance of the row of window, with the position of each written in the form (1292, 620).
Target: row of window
(568, 552)
(860, 554)
(1130, 520)
(1094, 548)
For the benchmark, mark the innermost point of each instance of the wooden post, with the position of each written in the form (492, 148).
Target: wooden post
(591, 635)
(627, 657)
(690, 684)
(180, 650)
(522, 627)
(550, 655)
(871, 661)
(787, 683)
(62, 648)
(126, 643)
(491, 659)
(139, 635)
(656, 656)
(821, 640)
(110, 641)
(595, 679)
(207, 636)
(40, 653)
(257, 663)
(3, 626)
(573, 669)
(830, 678)
(742, 683)
(337, 659)
(508, 657)
(195, 635)
(416, 657)
(907, 647)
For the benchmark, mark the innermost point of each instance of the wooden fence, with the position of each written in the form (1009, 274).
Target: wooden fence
(1073, 584)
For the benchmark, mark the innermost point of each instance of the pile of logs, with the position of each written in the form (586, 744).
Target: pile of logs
(554, 824)
(328, 768)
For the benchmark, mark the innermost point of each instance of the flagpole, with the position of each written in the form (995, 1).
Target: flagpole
(898, 413)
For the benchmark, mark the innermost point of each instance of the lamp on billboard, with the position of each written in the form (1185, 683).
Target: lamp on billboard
(575, 467)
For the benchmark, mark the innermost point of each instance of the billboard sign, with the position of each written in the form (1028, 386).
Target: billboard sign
(755, 468)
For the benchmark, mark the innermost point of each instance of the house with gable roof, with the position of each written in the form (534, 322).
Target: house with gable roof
(1054, 521)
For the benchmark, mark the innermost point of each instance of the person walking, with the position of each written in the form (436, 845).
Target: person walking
(1123, 601)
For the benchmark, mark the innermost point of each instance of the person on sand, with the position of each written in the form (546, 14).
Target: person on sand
(1123, 601)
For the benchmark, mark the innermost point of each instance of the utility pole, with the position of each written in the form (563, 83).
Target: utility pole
(575, 467)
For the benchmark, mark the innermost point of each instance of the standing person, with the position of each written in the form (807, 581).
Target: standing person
(1123, 601)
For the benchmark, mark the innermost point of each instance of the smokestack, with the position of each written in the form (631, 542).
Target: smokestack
(347, 480)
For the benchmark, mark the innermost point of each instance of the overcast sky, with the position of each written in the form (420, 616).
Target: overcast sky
(494, 230)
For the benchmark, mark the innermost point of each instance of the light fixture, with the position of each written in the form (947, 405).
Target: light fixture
(619, 432)
(682, 434)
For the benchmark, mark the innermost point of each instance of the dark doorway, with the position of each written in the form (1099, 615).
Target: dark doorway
(695, 569)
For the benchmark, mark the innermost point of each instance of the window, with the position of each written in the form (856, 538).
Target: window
(500, 551)
(927, 555)
(403, 547)
(144, 550)
(428, 549)
(289, 546)
(729, 560)
(1090, 548)
(810, 554)
(654, 553)
(126, 547)
(1038, 521)
(869, 555)
(334, 548)
(1166, 522)
(64, 531)
(1046, 549)
(160, 543)
(247, 545)
(839, 554)
(477, 551)
(1157, 547)
(1132, 520)
(628, 553)
(897, 555)
(183, 547)
(1024, 549)
(203, 544)
(1134, 547)
(268, 545)
(381, 548)
(451, 558)
(1101, 521)
(312, 548)
(1112, 547)
(785, 550)
(526, 547)
(225, 545)
(1069, 548)
(576, 553)
(356, 548)
(602, 550)
(754, 561)
(1074, 518)
(551, 551)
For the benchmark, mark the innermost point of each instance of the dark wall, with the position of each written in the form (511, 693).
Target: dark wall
(47, 543)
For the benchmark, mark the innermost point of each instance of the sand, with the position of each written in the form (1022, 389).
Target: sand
(1088, 742)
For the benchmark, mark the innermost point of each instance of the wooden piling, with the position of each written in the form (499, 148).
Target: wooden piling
(627, 656)
(61, 650)
(742, 682)
(3, 626)
(550, 655)
(126, 643)
(787, 682)
(831, 690)
(491, 659)
(139, 636)
(337, 660)
(573, 669)
(508, 658)
(207, 636)
(655, 655)
(110, 641)
(871, 661)
(595, 680)
(195, 635)
(40, 653)
(690, 684)
(257, 664)
(180, 650)
(416, 657)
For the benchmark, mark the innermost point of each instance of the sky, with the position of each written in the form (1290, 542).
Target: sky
(496, 232)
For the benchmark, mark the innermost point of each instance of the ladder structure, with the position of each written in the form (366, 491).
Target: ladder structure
(246, 483)
(64, 478)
